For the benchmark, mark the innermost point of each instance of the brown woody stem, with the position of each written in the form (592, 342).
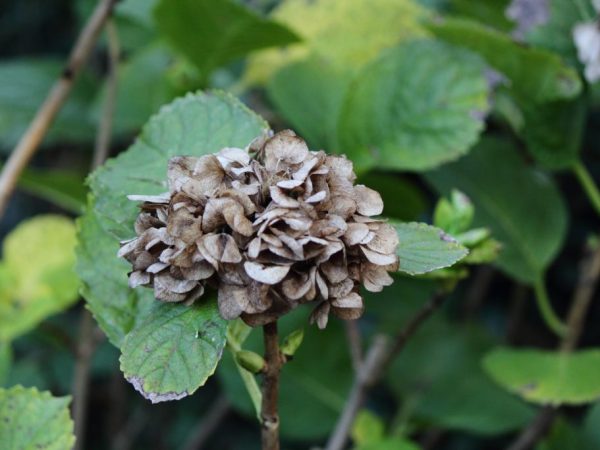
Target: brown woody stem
(270, 388)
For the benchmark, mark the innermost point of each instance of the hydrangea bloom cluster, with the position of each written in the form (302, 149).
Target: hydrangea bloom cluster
(270, 227)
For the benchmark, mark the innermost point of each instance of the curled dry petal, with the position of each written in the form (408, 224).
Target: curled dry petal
(368, 201)
(264, 274)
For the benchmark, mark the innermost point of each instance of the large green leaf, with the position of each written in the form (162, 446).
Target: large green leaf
(424, 248)
(534, 74)
(212, 33)
(115, 306)
(309, 94)
(521, 206)
(174, 351)
(30, 419)
(553, 131)
(36, 275)
(417, 106)
(345, 33)
(548, 378)
(23, 86)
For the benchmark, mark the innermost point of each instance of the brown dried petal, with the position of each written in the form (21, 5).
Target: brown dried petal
(138, 278)
(320, 315)
(368, 201)
(385, 239)
(266, 274)
(283, 149)
(355, 233)
(375, 277)
(379, 258)
(221, 247)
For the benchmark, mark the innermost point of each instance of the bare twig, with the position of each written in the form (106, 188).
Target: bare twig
(270, 389)
(103, 137)
(412, 327)
(34, 135)
(354, 343)
(85, 350)
(366, 377)
(378, 359)
(588, 280)
(582, 296)
(536, 429)
(209, 424)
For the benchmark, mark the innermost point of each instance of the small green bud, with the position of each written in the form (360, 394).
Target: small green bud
(473, 237)
(454, 215)
(292, 341)
(250, 361)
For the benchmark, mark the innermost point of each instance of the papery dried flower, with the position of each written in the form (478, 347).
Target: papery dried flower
(271, 227)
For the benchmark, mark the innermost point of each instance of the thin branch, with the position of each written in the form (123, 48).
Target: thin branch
(588, 281)
(378, 359)
(270, 388)
(354, 343)
(412, 327)
(85, 350)
(550, 317)
(34, 135)
(538, 428)
(582, 296)
(210, 422)
(366, 377)
(104, 135)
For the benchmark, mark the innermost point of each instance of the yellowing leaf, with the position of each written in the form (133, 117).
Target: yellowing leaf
(345, 32)
(30, 419)
(36, 276)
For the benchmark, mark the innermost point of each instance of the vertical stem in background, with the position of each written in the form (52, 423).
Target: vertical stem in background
(87, 341)
(550, 318)
(270, 388)
(588, 185)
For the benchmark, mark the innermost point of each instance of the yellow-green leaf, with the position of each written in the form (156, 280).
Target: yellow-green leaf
(36, 275)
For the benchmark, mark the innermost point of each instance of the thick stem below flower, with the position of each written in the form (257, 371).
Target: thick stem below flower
(270, 388)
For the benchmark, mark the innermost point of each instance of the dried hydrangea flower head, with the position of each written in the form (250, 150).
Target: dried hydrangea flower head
(270, 227)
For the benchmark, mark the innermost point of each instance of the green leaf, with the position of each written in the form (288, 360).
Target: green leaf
(212, 33)
(63, 188)
(367, 428)
(455, 214)
(237, 333)
(115, 306)
(309, 94)
(520, 205)
(534, 74)
(174, 351)
(192, 125)
(424, 248)
(416, 107)
(390, 444)
(591, 425)
(346, 33)
(36, 275)
(490, 12)
(5, 361)
(553, 131)
(24, 84)
(547, 378)
(30, 419)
